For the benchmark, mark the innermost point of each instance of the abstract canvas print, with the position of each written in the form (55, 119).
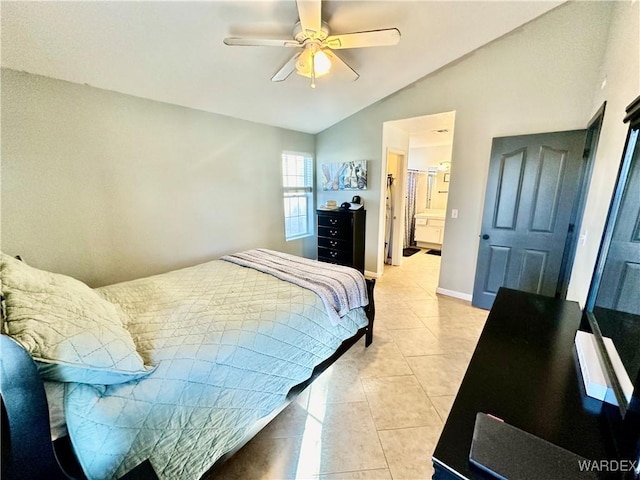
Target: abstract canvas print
(344, 176)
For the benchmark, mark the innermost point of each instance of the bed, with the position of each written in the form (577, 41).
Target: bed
(167, 375)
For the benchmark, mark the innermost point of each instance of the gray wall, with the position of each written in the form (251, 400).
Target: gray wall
(107, 187)
(539, 78)
(618, 84)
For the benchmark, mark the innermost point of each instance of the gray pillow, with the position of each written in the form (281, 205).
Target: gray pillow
(74, 334)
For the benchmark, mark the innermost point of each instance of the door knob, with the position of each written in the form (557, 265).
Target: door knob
(485, 237)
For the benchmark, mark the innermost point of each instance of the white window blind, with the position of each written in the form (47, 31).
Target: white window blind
(297, 181)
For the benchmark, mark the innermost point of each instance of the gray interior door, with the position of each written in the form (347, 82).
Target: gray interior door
(531, 189)
(620, 284)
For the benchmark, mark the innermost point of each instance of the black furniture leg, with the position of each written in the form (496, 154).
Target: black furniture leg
(371, 312)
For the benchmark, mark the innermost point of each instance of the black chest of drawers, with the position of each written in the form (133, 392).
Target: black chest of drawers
(341, 237)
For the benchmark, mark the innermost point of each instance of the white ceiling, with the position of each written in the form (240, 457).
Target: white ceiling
(428, 130)
(173, 51)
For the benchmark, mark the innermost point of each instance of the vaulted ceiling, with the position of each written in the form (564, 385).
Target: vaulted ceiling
(173, 51)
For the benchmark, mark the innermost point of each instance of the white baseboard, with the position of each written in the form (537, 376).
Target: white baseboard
(369, 274)
(454, 294)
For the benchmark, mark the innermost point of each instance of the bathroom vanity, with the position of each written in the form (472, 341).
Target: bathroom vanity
(430, 228)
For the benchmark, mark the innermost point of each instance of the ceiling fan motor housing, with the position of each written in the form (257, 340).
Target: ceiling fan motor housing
(304, 35)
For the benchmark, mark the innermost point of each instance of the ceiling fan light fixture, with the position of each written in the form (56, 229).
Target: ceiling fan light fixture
(312, 35)
(321, 63)
(303, 64)
(313, 62)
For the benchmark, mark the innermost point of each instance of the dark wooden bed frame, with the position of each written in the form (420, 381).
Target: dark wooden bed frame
(27, 449)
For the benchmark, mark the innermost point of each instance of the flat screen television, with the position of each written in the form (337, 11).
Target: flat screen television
(613, 303)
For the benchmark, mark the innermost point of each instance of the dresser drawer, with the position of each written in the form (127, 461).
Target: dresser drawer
(334, 221)
(334, 232)
(331, 254)
(334, 243)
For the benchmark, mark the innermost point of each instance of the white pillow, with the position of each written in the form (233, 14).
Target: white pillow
(76, 335)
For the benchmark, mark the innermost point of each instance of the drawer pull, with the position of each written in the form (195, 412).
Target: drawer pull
(333, 233)
(333, 254)
(333, 243)
(333, 221)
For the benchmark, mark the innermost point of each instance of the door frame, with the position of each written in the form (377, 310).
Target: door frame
(400, 200)
(399, 204)
(590, 148)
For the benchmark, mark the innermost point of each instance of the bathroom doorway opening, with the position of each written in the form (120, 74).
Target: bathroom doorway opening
(418, 155)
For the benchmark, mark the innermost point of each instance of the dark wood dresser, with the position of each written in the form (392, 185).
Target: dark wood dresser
(341, 237)
(525, 371)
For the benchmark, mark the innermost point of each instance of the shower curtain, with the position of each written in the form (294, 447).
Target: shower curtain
(410, 211)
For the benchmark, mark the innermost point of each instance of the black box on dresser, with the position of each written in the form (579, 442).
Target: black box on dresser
(341, 237)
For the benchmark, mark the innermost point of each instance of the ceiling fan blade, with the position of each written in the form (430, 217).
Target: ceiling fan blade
(340, 67)
(259, 42)
(310, 13)
(374, 38)
(286, 70)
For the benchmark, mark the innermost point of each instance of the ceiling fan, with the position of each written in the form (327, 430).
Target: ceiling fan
(311, 34)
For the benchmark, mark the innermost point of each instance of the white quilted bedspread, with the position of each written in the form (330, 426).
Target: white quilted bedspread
(228, 342)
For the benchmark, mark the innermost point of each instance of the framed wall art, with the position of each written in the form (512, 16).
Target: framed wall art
(345, 175)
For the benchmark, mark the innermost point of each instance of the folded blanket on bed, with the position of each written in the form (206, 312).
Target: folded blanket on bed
(340, 288)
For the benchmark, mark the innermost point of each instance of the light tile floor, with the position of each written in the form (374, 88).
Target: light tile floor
(377, 412)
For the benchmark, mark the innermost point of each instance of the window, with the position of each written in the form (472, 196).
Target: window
(297, 180)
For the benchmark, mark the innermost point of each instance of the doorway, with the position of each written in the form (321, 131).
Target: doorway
(417, 154)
